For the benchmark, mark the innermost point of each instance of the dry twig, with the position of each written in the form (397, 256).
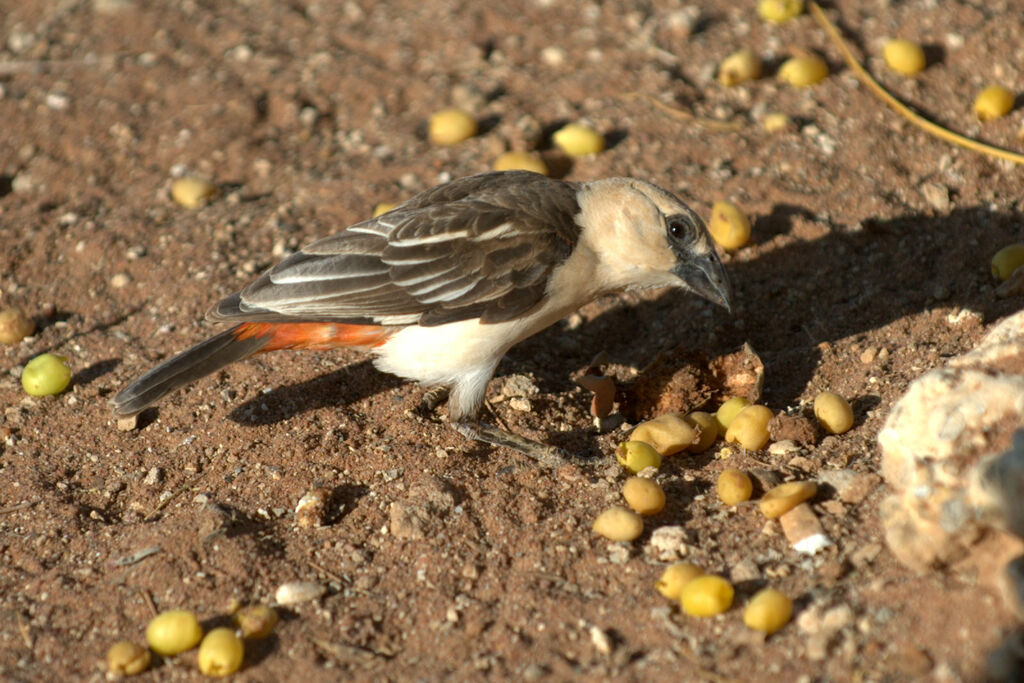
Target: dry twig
(903, 110)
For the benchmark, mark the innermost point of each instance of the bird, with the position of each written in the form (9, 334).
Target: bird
(439, 288)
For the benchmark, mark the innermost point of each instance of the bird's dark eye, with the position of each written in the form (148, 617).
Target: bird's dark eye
(679, 229)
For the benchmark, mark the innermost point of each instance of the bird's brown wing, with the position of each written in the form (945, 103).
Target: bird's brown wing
(481, 247)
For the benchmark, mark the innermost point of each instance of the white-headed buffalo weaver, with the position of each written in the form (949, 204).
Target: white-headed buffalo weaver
(439, 288)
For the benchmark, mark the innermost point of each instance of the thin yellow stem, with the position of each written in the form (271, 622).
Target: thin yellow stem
(934, 129)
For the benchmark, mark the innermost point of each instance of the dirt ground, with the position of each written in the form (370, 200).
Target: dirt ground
(444, 559)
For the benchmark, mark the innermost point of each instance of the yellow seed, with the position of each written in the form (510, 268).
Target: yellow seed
(668, 434)
(734, 486)
(221, 652)
(619, 524)
(15, 326)
(520, 161)
(46, 375)
(728, 411)
(645, 496)
(450, 127)
(749, 428)
(993, 102)
(636, 456)
(739, 67)
(833, 412)
(173, 632)
(729, 226)
(778, 11)
(255, 621)
(125, 658)
(708, 426)
(192, 192)
(675, 577)
(784, 497)
(776, 122)
(803, 71)
(382, 208)
(706, 596)
(904, 56)
(768, 611)
(1006, 261)
(578, 140)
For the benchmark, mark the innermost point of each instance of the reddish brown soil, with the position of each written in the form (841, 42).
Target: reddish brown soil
(309, 113)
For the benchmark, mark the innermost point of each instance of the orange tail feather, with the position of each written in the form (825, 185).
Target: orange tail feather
(312, 336)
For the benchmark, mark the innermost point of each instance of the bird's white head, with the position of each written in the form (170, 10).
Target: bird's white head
(644, 236)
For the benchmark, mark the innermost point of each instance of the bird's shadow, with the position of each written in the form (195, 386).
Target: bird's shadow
(349, 384)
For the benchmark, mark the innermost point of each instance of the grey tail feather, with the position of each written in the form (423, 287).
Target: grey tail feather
(189, 365)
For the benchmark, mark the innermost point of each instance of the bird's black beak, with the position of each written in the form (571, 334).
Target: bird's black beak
(706, 276)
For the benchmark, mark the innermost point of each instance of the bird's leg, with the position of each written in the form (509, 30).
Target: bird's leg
(542, 453)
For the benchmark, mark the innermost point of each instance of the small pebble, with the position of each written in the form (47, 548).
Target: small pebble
(803, 530)
(296, 592)
(311, 510)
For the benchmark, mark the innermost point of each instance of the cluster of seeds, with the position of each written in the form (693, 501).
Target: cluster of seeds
(170, 633)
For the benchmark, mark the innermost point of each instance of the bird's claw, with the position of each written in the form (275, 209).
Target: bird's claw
(551, 456)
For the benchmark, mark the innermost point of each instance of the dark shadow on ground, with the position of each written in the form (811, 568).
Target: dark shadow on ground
(348, 384)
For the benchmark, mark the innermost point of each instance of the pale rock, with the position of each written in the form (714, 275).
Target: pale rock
(944, 452)
(667, 544)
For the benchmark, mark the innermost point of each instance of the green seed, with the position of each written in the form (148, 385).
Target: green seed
(993, 102)
(803, 71)
(768, 611)
(15, 326)
(521, 161)
(734, 486)
(450, 127)
(668, 434)
(636, 456)
(578, 140)
(173, 632)
(729, 226)
(750, 428)
(192, 192)
(904, 56)
(125, 658)
(645, 496)
(833, 412)
(256, 621)
(1006, 261)
(706, 596)
(221, 652)
(619, 524)
(46, 375)
(728, 411)
(778, 11)
(675, 578)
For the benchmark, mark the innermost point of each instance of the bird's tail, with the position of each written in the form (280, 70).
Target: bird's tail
(241, 341)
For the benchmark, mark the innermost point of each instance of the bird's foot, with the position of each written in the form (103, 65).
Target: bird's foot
(544, 454)
(432, 398)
